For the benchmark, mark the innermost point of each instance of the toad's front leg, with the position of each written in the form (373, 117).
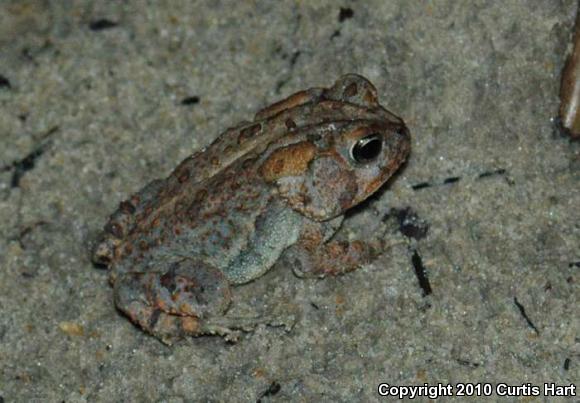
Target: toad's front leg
(314, 256)
(332, 258)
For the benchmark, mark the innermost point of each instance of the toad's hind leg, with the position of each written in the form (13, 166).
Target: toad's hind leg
(176, 302)
(190, 298)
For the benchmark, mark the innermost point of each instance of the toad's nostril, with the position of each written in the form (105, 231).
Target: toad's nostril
(404, 132)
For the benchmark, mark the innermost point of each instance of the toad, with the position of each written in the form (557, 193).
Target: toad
(274, 187)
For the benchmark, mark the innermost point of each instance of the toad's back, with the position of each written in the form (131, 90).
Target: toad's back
(221, 184)
(223, 220)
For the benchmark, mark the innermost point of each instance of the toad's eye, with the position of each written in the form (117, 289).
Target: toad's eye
(366, 149)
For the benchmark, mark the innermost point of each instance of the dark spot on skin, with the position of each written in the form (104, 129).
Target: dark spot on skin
(154, 318)
(115, 229)
(351, 90)
(290, 124)
(200, 196)
(102, 24)
(4, 82)
(249, 132)
(370, 97)
(183, 176)
(566, 364)
(155, 223)
(420, 273)
(278, 166)
(127, 207)
(128, 249)
(180, 206)
(248, 163)
(313, 138)
(190, 100)
(335, 34)
(102, 261)
(525, 316)
(199, 294)
(345, 14)
(167, 280)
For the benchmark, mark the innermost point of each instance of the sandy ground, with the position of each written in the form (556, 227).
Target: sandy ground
(480, 283)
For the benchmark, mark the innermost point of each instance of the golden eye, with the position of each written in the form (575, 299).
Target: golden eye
(366, 149)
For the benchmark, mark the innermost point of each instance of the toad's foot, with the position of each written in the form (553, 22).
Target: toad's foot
(231, 327)
(332, 258)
